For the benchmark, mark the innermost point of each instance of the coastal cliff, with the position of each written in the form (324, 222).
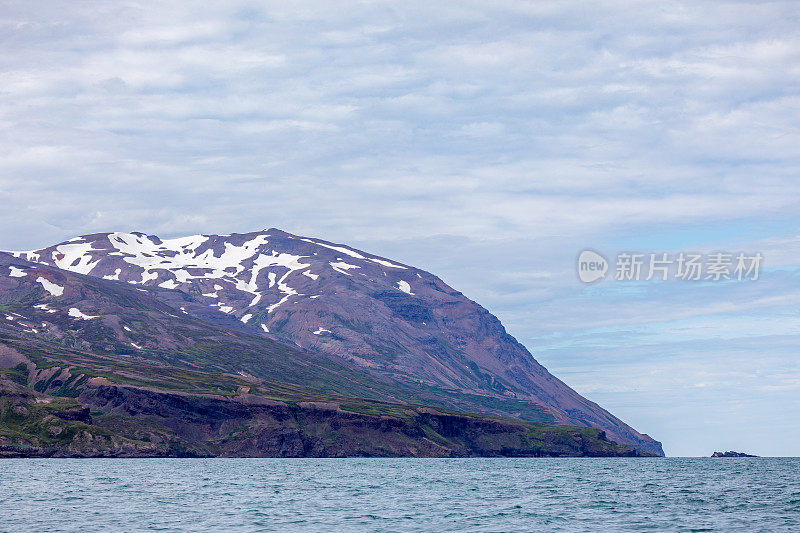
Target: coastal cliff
(122, 421)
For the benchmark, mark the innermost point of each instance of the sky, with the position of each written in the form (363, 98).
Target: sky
(486, 142)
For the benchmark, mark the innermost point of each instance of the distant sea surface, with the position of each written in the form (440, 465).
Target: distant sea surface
(672, 494)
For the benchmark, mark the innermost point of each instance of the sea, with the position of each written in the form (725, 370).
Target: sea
(328, 495)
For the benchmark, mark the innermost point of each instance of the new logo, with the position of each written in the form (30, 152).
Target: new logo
(591, 266)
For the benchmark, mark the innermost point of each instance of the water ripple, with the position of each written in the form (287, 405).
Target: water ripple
(672, 494)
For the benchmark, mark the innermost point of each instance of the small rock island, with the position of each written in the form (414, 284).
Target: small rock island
(732, 454)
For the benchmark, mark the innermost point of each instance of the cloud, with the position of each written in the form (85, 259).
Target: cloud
(634, 103)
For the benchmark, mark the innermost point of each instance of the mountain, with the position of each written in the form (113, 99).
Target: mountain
(391, 332)
(99, 368)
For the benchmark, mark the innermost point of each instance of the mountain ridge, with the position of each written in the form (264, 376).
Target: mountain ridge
(402, 325)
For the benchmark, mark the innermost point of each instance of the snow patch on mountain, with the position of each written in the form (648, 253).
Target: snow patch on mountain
(75, 257)
(49, 286)
(176, 255)
(115, 276)
(74, 312)
(274, 306)
(17, 272)
(173, 262)
(28, 256)
(262, 261)
(343, 267)
(385, 263)
(148, 276)
(342, 249)
(404, 286)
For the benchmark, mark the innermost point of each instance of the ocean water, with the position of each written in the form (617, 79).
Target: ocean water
(672, 494)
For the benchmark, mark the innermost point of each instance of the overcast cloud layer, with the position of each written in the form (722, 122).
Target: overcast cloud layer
(487, 142)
